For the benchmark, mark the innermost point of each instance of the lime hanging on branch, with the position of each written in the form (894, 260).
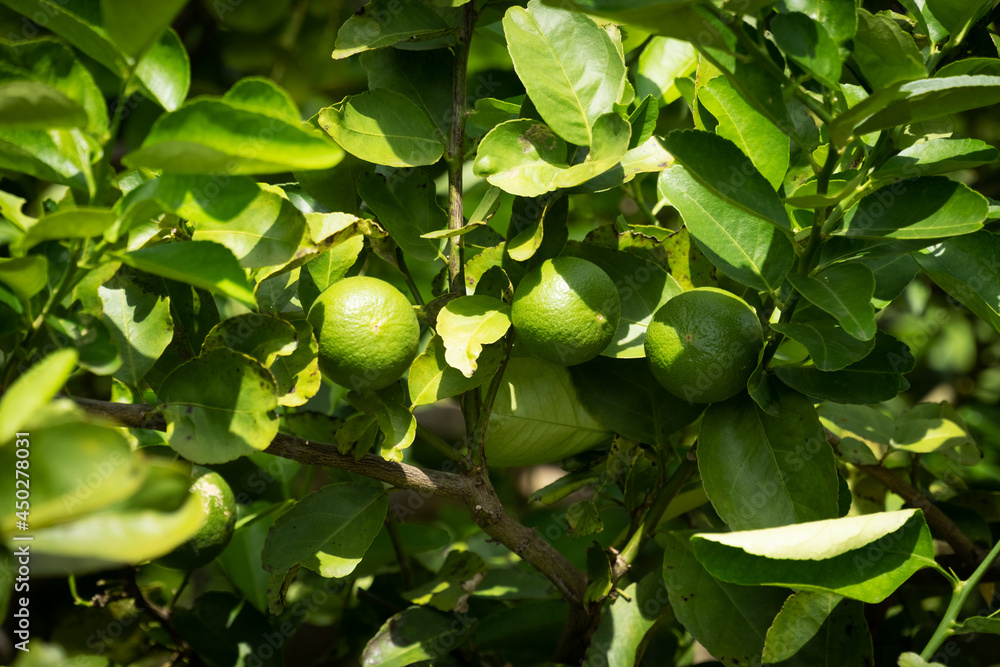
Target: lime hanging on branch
(219, 505)
(702, 345)
(367, 331)
(566, 311)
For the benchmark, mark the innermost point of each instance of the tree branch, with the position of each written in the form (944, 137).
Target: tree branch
(482, 501)
(968, 552)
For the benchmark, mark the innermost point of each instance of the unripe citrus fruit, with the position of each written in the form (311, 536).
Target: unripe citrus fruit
(702, 345)
(537, 417)
(565, 310)
(220, 518)
(367, 331)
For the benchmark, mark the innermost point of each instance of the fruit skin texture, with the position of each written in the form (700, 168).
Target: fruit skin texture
(367, 331)
(702, 345)
(566, 311)
(213, 536)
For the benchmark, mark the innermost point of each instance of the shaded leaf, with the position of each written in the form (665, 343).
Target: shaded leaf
(406, 205)
(818, 628)
(884, 53)
(808, 44)
(761, 470)
(199, 263)
(742, 246)
(139, 323)
(966, 268)
(830, 347)
(383, 127)
(218, 407)
(620, 638)
(923, 208)
(413, 635)
(937, 156)
(384, 23)
(876, 378)
(328, 531)
(730, 621)
(209, 135)
(845, 291)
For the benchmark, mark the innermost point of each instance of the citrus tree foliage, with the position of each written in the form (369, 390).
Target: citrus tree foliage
(179, 182)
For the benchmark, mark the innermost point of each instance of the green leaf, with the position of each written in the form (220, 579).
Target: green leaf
(620, 638)
(569, 66)
(383, 127)
(218, 407)
(35, 387)
(328, 531)
(876, 378)
(134, 26)
(884, 53)
(966, 268)
(406, 205)
(199, 263)
(611, 136)
(297, 374)
(385, 22)
(412, 636)
(730, 621)
(930, 98)
(673, 18)
(422, 76)
(741, 245)
(537, 411)
(65, 455)
(58, 156)
(139, 323)
(522, 157)
(864, 432)
(910, 659)
(760, 470)
(935, 427)
(454, 582)
(845, 291)
(255, 93)
(837, 16)
(76, 223)
(78, 22)
(261, 337)
(333, 264)
(50, 62)
(862, 557)
(923, 208)
(468, 323)
(256, 222)
(214, 136)
(35, 105)
(431, 378)
(818, 628)
(956, 15)
(977, 625)
(830, 347)
(937, 156)
(661, 63)
(808, 44)
(643, 287)
(719, 165)
(164, 71)
(756, 137)
(113, 538)
(624, 396)
(25, 276)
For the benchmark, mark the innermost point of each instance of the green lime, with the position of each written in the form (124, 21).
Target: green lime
(220, 518)
(702, 345)
(367, 331)
(565, 310)
(538, 417)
